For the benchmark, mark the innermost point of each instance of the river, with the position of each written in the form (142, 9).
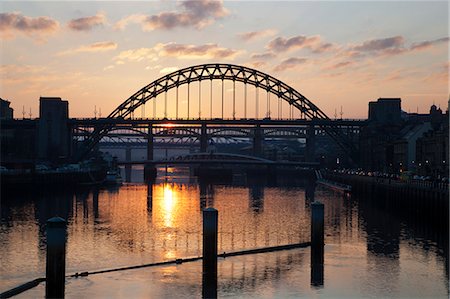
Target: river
(370, 251)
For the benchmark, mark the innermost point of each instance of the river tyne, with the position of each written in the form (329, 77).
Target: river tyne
(370, 250)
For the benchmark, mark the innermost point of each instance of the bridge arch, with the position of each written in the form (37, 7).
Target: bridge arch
(231, 72)
(234, 73)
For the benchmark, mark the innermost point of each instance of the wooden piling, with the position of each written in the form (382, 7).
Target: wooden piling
(56, 258)
(210, 231)
(317, 243)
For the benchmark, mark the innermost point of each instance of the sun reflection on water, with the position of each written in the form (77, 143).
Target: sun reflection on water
(169, 205)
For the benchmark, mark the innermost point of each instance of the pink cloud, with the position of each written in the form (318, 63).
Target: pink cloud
(16, 22)
(87, 23)
(195, 13)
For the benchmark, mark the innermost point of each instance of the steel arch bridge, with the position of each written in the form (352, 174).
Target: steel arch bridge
(229, 72)
(234, 73)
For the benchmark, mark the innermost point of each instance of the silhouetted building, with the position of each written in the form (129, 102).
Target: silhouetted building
(413, 142)
(376, 147)
(432, 148)
(6, 112)
(404, 148)
(436, 117)
(376, 140)
(53, 130)
(17, 142)
(385, 111)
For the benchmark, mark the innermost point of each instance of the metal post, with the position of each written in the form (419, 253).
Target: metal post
(154, 108)
(281, 109)
(176, 106)
(188, 101)
(211, 101)
(245, 100)
(257, 102)
(222, 98)
(234, 99)
(56, 258)
(199, 99)
(317, 243)
(165, 104)
(210, 229)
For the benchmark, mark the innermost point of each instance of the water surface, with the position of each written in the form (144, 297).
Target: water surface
(370, 251)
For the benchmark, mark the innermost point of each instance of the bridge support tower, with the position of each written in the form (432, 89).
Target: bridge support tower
(149, 169)
(310, 144)
(257, 141)
(203, 139)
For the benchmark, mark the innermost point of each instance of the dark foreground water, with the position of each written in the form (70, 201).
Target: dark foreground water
(370, 251)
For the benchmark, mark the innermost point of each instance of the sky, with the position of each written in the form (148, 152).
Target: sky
(337, 54)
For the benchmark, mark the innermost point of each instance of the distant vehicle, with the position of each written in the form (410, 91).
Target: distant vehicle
(41, 167)
(406, 175)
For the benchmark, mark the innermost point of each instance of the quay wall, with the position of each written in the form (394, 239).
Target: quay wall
(420, 198)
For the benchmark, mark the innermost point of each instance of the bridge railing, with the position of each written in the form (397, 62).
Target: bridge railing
(217, 118)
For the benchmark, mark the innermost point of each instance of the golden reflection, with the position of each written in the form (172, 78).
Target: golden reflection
(169, 204)
(170, 254)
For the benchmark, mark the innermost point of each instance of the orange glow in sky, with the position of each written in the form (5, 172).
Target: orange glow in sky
(337, 54)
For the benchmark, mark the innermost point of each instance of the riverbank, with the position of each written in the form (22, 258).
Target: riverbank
(419, 197)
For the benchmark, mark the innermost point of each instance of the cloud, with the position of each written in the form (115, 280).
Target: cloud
(390, 46)
(194, 13)
(289, 64)
(323, 47)
(16, 22)
(11, 73)
(87, 23)
(340, 65)
(256, 64)
(253, 35)
(136, 55)
(135, 19)
(313, 43)
(95, 47)
(385, 46)
(179, 51)
(206, 51)
(381, 44)
(428, 44)
(169, 69)
(263, 56)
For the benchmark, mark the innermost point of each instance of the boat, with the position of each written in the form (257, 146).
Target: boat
(113, 177)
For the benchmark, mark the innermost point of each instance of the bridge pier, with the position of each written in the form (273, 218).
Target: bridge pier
(128, 167)
(149, 169)
(203, 139)
(310, 144)
(257, 141)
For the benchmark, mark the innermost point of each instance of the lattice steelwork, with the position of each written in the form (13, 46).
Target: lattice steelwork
(220, 72)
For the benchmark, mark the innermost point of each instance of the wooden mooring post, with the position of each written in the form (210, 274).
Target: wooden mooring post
(317, 243)
(56, 258)
(210, 231)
